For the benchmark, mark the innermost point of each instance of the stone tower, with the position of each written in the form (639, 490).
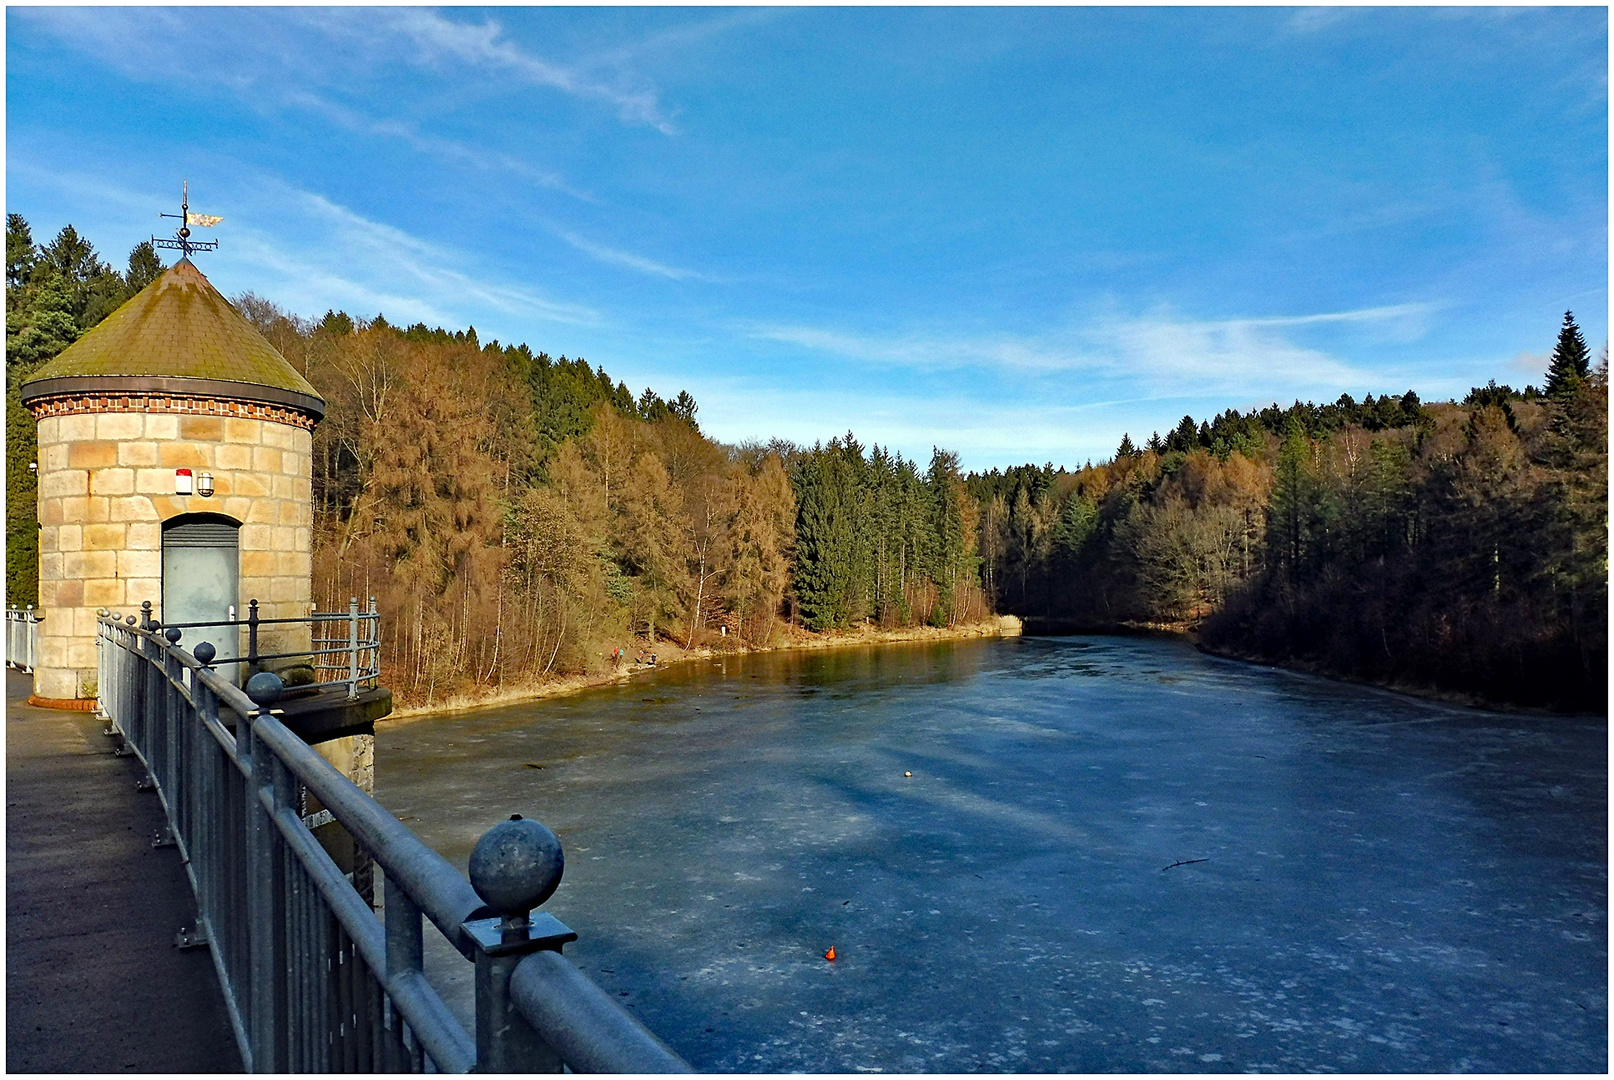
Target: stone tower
(173, 394)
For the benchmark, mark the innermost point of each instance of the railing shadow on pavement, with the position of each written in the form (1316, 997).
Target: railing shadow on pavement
(313, 979)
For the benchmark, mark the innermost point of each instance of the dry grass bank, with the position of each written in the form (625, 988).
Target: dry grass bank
(668, 653)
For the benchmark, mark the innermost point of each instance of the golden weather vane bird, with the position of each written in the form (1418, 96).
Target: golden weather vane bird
(182, 237)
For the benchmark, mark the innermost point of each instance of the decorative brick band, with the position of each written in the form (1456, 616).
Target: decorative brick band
(62, 405)
(86, 704)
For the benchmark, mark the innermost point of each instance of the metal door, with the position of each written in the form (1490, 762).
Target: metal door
(201, 576)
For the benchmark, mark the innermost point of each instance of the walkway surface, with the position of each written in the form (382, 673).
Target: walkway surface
(93, 980)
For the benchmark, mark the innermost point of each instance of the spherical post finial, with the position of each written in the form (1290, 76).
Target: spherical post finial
(173, 635)
(265, 689)
(516, 866)
(204, 652)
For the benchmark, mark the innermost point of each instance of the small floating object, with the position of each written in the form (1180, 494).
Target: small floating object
(831, 954)
(907, 774)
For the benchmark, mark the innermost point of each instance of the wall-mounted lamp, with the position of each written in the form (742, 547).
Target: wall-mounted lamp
(33, 468)
(204, 485)
(182, 482)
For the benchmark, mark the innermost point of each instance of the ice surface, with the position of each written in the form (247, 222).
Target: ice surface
(1368, 882)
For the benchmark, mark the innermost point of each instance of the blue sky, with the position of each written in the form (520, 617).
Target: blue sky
(1014, 233)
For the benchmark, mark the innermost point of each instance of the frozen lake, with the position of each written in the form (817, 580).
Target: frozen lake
(1368, 882)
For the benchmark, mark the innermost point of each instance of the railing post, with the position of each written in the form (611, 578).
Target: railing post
(207, 802)
(174, 717)
(265, 889)
(516, 866)
(352, 647)
(103, 659)
(233, 644)
(252, 638)
(405, 956)
(144, 707)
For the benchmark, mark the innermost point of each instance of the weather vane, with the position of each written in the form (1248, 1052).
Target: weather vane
(182, 238)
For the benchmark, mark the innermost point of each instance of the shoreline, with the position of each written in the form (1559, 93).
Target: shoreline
(794, 639)
(1422, 693)
(1188, 632)
(791, 639)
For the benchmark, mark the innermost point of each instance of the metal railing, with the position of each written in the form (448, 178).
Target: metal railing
(22, 637)
(314, 981)
(345, 646)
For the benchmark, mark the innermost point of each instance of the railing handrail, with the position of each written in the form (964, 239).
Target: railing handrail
(563, 1003)
(363, 650)
(312, 616)
(443, 894)
(574, 1020)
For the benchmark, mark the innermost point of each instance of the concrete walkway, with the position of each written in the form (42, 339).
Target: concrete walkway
(93, 980)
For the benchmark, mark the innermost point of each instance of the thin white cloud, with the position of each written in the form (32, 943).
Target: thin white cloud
(264, 55)
(433, 145)
(1064, 426)
(389, 247)
(485, 45)
(1236, 352)
(137, 42)
(1311, 20)
(986, 433)
(629, 260)
(326, 254)
(1387, 313)
(925, 351)
(679, 37)
(1187, 355)
(308, 286)
(1529, 363)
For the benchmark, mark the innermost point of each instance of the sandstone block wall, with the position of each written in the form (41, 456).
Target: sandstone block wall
(106, 485)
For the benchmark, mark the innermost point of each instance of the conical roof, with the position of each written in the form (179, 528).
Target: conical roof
(178, 335)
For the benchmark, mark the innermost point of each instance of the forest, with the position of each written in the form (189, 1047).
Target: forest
(1456, 546)
(520, 516)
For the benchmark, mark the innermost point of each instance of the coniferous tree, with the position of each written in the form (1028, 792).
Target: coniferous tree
(53, 294)
(144, 267)
(1571, 361)
(1185, 437)
(21, 256)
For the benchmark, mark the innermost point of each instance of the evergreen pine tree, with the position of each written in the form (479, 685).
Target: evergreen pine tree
(1075, 527)
(144, 267)
(1571, 361)
(21, 255)
(1184, 437)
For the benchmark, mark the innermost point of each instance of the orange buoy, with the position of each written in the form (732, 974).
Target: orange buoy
(831, 954)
